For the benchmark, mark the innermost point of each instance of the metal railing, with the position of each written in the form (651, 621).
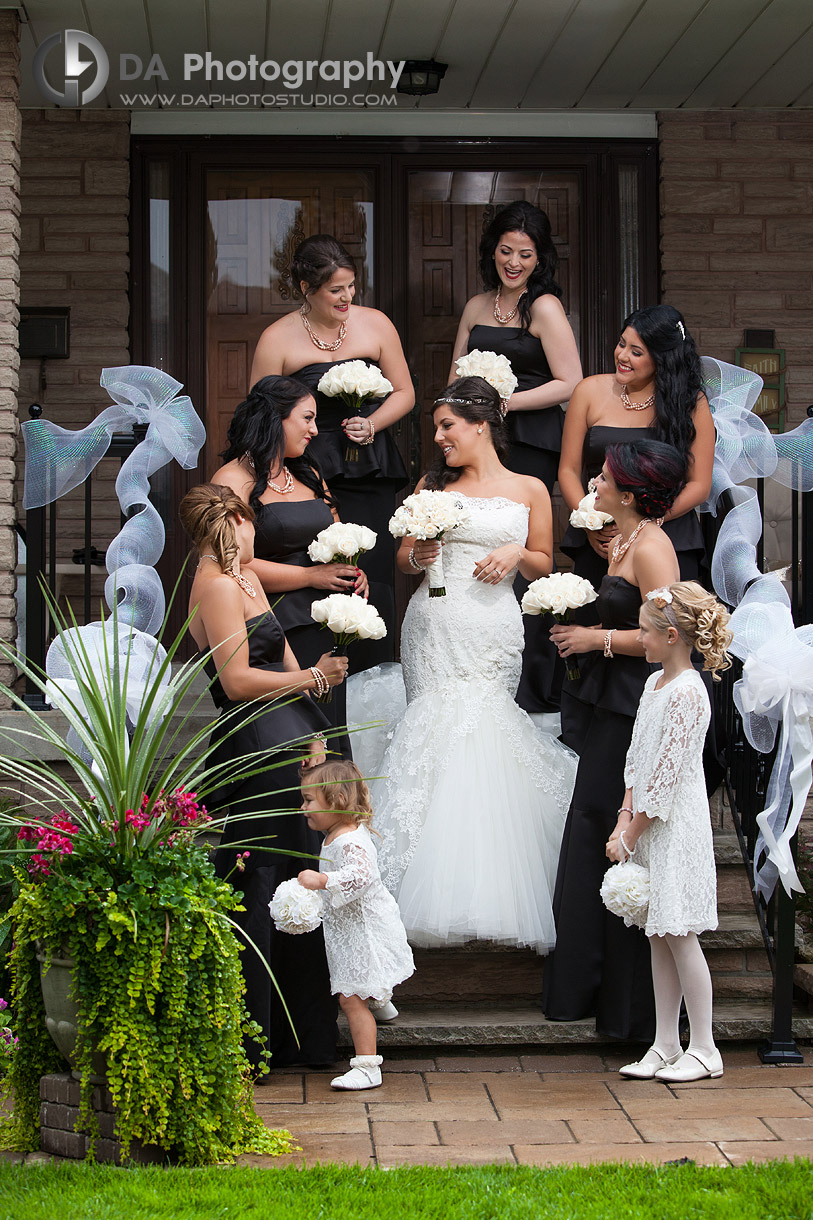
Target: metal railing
(45, 562)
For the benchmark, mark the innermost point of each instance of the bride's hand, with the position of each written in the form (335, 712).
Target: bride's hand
(334, 668)
(426, 551)
(498, 564)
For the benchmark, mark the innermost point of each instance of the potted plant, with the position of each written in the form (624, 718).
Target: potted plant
(115, 881)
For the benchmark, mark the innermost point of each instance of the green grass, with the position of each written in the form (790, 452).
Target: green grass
(781, 1190)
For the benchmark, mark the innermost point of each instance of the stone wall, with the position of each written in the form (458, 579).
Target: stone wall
(76, 252)
(9, 317)
(737, 232)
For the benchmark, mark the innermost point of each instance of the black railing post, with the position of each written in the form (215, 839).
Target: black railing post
(781, 1046)
(35, 617)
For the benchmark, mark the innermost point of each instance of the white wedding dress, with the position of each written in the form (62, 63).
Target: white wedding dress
(472, 800)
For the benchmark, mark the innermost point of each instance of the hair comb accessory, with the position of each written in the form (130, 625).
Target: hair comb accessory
(503, 407)
(474, 401)
(680, 327)
(661, 597)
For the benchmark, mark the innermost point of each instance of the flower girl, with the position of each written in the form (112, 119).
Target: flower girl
(365, 941)
(665, 823)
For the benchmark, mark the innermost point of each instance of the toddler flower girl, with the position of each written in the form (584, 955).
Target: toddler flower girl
(664, 822)
(365, 941)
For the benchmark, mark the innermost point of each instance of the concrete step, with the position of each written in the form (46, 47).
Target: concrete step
(463, 1026)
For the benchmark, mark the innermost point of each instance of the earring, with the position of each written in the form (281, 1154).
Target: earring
(480, 430)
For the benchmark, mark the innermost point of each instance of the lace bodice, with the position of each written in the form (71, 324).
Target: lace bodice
(664, 768)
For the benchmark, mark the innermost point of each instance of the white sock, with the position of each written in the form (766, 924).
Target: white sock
(695, 982)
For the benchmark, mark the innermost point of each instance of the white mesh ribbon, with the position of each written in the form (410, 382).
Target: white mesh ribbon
(776, 688)
(57, 460)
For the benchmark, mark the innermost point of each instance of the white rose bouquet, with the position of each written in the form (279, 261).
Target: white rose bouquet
(625, 892)
(354, 382)
(493, 368)
(587, 516)
(557, 595)
(429, 514)
(350, 618)
(341, 543)
(294, 909)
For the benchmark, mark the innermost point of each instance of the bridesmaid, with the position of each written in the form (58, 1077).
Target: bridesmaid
(599, 967)
(656, 391)
(520, 316)
(269, 464)
(357, 454)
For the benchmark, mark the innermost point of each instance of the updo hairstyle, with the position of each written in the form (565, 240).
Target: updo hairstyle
(256, 431)
(678, 375)
(699, 619)
(316, 259)
(476, 401)
(522, 217)
(207, 514)
(655, 473)
(342, 787)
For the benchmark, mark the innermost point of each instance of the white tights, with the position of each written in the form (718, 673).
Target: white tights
(680, 971)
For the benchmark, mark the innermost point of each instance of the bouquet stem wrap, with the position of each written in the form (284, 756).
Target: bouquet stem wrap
(434, 574)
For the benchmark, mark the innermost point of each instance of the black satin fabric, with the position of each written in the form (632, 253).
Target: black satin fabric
(600, 967)
(273, 831)
(540, 429)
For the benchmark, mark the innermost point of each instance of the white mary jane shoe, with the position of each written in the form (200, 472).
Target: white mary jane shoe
(653, 1061)
(384, 1012)
(693, 1065)
(365, 1073)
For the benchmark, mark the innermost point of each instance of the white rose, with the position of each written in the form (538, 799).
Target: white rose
(320, 551)
(345, 542)
(557, 603)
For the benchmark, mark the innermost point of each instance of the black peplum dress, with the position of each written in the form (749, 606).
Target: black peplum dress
(298, 962)
(283, 531)
(600, 967)
(364, 480)
(535, 444)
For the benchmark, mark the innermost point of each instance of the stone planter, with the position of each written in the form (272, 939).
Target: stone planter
(61, 1011)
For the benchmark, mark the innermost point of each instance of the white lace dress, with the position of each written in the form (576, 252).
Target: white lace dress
(665, 771)
(473, 800)
(365, 941)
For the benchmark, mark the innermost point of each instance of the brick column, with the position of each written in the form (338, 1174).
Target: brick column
(9, 314)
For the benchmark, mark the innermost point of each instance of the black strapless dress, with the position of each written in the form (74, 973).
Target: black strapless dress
(284, 529)
(364, 480)
(600, 967)
(274, 828)
(536, 439)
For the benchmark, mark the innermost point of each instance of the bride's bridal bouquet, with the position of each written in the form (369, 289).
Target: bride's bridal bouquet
(557, 595)
(493, 368)
(587, 516)
(341, 543)
(350, 618)
(426, 515)
(354, 382)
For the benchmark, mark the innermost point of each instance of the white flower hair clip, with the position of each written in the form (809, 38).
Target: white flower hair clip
(679, 325)
(661, 597)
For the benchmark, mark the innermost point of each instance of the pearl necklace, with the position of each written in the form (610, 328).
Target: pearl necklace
(322, 344)
(636, 406)
(289, 483)
(504, 319)
(620, 549)
(245, 585)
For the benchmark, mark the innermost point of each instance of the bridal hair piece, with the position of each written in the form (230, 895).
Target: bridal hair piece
(682, 329)
(699, 619)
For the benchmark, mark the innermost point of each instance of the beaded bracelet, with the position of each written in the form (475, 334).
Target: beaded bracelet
(413, 563)
(626, 809)
(322, 684)
(371, 437)
(608, 644)
(623, 843)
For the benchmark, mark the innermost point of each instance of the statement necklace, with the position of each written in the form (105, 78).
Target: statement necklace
(504, 319)
(620, 549)
(636, 406)
(322, 344)
(245, 585)
(288, 483)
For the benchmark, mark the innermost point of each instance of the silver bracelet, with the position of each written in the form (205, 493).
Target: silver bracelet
(623, 843)
(371, 437)
(413, 563)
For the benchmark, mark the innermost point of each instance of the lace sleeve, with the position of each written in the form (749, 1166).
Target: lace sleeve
(681, 736)
(354, 875)
(629, 765)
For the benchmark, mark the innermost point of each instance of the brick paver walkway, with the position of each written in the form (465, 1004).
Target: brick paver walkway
(569, 1107)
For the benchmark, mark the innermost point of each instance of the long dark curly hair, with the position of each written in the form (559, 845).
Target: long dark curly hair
(256, 429)
(522, 217)
(472, 399)
(678, 377)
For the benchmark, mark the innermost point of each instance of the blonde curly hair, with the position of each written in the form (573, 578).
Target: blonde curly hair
(207, 514)
(700, 620)
(342, 787)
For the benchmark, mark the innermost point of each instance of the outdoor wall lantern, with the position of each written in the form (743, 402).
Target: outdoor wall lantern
(421, 77)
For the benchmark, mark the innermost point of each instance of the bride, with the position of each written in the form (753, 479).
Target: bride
(473, 797)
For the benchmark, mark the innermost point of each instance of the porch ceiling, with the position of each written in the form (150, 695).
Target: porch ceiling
(502, 54)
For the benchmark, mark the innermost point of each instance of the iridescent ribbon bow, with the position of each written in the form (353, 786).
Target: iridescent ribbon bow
(57, 460)
(776, 692)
